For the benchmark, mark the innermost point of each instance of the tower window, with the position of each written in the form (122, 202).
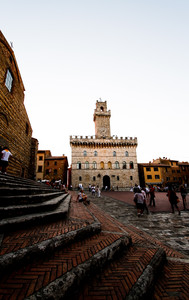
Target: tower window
(131, 165)
(102, 165)
(124, 165)
(126, 153)
(86, 165)
(79, 165)
(109, 165)
(117, 165)
(94, 165)
(9, 80)
(84, 153)
(114, 153)
(27, 128)
(95, 153)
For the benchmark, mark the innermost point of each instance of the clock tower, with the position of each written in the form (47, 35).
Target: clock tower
(102, 120)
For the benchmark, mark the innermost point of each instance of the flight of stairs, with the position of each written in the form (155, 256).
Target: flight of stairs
(54, 247)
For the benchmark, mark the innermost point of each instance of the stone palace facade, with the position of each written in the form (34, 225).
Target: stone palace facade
(104, 160)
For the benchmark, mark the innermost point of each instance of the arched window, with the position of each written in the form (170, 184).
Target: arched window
(109, 165)
(126, 153)
(124, 165)
(95, 153)
(131, 165)
(114, 153)
(117, 165)
(102, 165)
(94, 178)
(94, 165)
(84, 153)
(79, 165)
(80, 178)
(86, 165)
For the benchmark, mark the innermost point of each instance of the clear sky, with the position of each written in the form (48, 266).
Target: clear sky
(132, 53)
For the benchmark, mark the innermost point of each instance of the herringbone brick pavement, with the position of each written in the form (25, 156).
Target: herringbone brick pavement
(115, 281)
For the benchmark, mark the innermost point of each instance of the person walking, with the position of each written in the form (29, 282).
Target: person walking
(183, 195)
(173, 199)
(139, 200)
(145, 203)
(152, 196)
(5, 154)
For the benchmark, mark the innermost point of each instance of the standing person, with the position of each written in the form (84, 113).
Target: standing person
(5, 154)
(135, 189)
(93, 190)
(173, 199)
(152, 195)
(183, 195)
(147, 193)
(145, 204)
(98, 191)
(139, 200)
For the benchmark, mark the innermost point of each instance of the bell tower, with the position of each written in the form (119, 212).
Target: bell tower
(102, 120)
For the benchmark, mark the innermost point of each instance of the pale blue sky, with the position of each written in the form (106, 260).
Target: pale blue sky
(134, 54)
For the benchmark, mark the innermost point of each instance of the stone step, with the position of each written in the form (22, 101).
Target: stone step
(12, 260)
(30, 208)
(57, 268)
(7, 224)
(28, 198)
(17, 182)
(17, 190)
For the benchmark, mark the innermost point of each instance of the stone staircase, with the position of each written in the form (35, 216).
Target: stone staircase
(53, 247)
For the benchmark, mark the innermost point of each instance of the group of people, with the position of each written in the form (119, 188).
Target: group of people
(140, 200)
(142, 194)
(95, 190)
(5, 154)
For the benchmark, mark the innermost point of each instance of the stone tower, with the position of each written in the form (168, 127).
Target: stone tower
(102, 120)
(104, 160)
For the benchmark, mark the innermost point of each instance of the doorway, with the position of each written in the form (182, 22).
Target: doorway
(106, 182)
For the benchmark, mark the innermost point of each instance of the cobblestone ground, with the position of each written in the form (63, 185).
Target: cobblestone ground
(160, 223)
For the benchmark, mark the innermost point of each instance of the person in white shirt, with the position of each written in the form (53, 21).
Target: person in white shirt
(5, 154)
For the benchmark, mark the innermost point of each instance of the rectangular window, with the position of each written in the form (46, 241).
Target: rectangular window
(155, 168)
(148, 169)
(40, 157)
(40, 169)
(55, 171)
(47, 172)
(149, 176)
(9, 80)
(156, 176)
(131, 177)
(168, 178)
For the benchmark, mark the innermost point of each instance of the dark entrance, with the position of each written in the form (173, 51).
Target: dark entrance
(106, 181)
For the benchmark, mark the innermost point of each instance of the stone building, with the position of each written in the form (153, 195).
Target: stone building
(40, 168)
(104, 160)
(163, 172)
(51, 167)
(15, 127)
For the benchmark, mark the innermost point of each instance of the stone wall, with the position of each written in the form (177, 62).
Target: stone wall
(88, 150)
(15, 127)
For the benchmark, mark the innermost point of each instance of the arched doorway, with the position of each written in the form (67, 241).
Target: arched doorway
(106, 181)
